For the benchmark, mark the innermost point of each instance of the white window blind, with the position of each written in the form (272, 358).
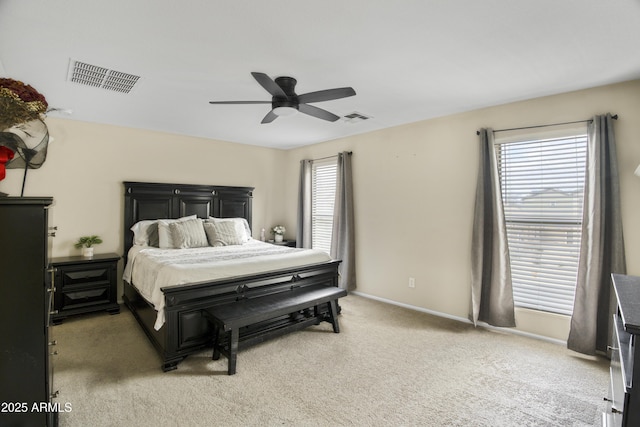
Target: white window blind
(542, 185)
(323, 184)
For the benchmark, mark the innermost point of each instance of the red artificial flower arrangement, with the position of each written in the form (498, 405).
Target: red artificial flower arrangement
(19, 103)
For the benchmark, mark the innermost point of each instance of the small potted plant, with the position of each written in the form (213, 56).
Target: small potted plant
(278, 232)
(86, 243)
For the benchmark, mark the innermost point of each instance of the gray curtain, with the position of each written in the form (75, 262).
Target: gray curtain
(491, 289)
(343, 235)
(602, 246)
(303, 235)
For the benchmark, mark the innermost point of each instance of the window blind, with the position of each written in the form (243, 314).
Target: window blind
(323, 195)
(542, 184)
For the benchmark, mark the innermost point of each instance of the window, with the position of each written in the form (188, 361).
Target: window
(323, 187)
(542, 183)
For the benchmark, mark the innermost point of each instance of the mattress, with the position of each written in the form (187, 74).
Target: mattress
(149, 269)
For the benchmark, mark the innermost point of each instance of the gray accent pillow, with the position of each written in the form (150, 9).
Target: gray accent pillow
(225, 233)
(165, 240)
(145, 233)
(242, 221)
(188, 234)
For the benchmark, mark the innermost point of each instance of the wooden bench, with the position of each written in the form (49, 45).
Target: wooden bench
(227, 319)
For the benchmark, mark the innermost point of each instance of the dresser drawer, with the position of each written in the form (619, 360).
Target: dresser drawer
(618, 388)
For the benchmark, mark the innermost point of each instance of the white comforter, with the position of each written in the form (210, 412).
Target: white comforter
(150, 269)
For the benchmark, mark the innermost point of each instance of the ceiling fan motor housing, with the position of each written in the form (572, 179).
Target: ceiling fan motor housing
(288, 85)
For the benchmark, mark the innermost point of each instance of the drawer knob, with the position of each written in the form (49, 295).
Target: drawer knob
(54, 342)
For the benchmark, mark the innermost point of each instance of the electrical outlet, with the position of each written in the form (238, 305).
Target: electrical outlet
(412, 282)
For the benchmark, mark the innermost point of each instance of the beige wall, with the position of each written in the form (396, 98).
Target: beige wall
(87, 163)
(415, 187)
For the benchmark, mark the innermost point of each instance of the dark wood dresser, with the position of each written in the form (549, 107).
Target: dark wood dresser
(26, 375)
(624, 391)
(84, 285)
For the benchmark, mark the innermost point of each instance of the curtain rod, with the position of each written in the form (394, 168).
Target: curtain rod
(335, 155)
(614, 117)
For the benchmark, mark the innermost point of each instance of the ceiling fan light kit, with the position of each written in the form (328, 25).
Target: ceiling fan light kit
(284, 111)
(285, 102)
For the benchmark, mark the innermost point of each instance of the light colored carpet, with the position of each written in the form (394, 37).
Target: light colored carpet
(389, 366)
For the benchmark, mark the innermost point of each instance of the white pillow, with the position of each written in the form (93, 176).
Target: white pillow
(242, 221)
(145, 233)
(188, 234)
(165, 239)
(225, 233)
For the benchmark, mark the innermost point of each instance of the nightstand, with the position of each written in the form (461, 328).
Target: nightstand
(289, 243)
(84, 285)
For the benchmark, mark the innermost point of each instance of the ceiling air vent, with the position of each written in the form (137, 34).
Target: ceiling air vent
(355, 117)
(93, 75)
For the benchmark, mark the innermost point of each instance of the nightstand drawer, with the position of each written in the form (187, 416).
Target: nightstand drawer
(97, 275)
(84, 298)
(84, 285)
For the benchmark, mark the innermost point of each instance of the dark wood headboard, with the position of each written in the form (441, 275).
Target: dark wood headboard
(147, 200)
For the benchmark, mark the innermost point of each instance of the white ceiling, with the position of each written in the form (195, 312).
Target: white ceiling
(407, 60)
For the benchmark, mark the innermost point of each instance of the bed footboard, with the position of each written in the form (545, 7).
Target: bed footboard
(186, 329)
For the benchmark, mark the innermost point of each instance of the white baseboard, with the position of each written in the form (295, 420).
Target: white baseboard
(461, 319)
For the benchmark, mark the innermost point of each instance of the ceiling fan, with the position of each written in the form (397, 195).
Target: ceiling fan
(286, 102)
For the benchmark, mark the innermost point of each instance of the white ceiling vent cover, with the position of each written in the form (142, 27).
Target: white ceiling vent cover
(96, 76)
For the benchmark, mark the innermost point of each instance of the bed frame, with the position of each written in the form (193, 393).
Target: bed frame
(186, 329)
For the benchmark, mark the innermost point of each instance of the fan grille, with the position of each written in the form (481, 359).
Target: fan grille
(105, 78)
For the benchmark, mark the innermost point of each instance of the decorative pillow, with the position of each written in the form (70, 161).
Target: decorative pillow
(188, 234)
(225, 233)
(145, 233)
(242, 221)
(165, 240)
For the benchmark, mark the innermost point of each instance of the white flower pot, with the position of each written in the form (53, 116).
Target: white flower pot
(87, 252)
(279, 238)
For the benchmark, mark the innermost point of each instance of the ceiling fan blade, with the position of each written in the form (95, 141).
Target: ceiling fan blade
(268, 83)
(239, 102)
(271, 116)
(317, 112)
(326, 95)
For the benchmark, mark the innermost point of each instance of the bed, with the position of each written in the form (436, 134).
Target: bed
(171, 314)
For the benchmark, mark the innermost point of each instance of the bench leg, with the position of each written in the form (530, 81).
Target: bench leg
(216, 343)
(333, 313)
(233, 351)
